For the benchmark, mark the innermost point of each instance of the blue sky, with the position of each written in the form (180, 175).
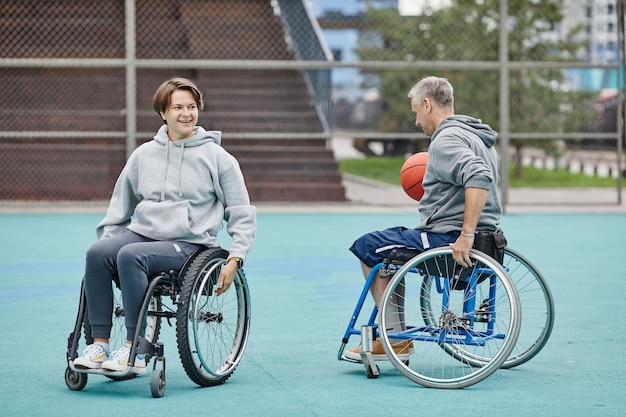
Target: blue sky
(346, 6)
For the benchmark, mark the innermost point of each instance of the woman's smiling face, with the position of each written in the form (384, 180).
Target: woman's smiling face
(181, 116)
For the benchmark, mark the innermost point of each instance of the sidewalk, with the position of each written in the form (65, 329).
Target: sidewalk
(369, 196)
(520, 200)
(381, 196)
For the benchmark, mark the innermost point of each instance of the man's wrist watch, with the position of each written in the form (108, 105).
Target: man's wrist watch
(238, 260)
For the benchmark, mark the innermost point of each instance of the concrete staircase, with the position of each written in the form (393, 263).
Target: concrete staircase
(241, 101)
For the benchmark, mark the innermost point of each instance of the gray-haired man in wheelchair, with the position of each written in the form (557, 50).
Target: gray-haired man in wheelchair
(460, 206)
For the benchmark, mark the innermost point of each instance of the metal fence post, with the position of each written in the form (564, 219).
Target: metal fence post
(620, 84)
(131, 78)
(503, 134)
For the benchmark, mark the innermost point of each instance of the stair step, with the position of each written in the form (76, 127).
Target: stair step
(296, 192)
(294, 153)
(237, 100)
(255, 176)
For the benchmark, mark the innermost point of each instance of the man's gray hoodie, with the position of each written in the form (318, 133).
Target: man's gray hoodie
(183, 191)
(462, 155)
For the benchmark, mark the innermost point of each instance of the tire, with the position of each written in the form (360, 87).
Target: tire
(75, 381)
(461, 333)
(157, 380)
(211, 331)
(537, 308)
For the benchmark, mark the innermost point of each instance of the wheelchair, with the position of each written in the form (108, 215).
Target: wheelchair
(211, 331)
(462, 324)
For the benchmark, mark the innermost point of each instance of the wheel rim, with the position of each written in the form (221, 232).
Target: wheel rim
(219, 324)
(537, 306)
(451, 350)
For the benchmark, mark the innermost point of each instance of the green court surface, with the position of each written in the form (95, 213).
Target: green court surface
(304, 284)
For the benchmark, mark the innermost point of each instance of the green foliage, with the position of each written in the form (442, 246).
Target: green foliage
(469, 31)
(545, 178)
(387, 169)
(380, 168)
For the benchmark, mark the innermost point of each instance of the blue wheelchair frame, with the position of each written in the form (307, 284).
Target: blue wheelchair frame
(431, 280)
(444, 287)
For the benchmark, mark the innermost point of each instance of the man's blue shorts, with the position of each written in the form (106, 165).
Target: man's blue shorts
(373, 247)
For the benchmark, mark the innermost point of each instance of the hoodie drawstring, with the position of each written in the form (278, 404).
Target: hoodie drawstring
(180, 167)
(167, 165)
(167, 158)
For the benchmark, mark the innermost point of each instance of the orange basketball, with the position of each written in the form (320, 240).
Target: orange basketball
(412, 174)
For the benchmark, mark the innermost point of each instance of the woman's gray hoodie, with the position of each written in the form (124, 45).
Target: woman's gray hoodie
(183, 191)
(462, 155)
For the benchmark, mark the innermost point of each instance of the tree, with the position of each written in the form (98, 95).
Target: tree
(468, 30)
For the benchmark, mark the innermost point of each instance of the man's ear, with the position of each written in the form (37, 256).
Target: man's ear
(428, 105)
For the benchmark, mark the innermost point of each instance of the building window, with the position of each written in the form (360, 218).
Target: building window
(611, 46)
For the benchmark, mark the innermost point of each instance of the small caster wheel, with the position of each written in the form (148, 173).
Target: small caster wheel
(75, 381)
(157, 382)
(371, 369)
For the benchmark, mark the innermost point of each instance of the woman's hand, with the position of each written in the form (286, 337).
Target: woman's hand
(227, 276)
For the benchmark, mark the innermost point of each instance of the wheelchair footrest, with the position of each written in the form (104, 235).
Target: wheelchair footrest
(148, 348)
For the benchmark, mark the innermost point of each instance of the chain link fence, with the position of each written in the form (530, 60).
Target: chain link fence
(281, 80)
(533, 78)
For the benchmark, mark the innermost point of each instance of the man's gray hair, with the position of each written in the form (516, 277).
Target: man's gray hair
(438, 89)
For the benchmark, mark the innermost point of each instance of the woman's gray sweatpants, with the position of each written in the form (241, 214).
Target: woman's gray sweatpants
(133, 258)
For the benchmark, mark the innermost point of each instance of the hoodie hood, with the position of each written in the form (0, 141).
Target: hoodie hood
(462, 156)
(200, 137)
(476, 126)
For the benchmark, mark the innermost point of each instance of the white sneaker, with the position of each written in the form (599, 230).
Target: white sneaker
(93, 357)
(119, 362)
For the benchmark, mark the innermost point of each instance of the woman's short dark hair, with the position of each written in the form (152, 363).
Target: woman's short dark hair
(163, 94)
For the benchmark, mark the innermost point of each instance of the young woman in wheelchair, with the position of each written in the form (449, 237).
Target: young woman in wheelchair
(460, 198)
(169, 201)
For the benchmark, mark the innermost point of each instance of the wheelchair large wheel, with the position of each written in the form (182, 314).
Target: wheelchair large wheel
(462, 322)
(118, 328)
(537, 308)
(211, 331)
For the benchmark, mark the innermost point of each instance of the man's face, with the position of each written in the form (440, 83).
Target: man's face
(421, 109)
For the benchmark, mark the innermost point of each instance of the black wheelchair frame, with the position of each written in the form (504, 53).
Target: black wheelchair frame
(211, 331)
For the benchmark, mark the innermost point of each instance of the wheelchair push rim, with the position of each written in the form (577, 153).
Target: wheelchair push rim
(212, 331)
(537, 305)
(463, 324)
